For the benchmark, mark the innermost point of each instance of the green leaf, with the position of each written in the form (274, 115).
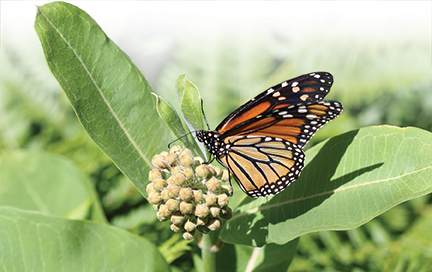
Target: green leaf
(35, 242)
(190, 103)
(270, 257)
(170, 117)
(347, 181)
(51, 184)
(110, 96)
(190, 107)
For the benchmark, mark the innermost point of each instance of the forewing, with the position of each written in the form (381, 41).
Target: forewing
(296, 124)
(263, 165)
(302, 89)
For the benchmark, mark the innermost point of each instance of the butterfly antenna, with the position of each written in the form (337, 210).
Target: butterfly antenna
(181, 137)
(205, 118)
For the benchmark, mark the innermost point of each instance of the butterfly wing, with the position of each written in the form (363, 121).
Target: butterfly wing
(263, 165)
(302, 89)
(296, 123)
(261, 142)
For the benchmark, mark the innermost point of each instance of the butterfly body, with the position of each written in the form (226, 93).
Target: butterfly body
(261, 142)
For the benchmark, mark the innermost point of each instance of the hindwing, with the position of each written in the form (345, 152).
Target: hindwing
(263, 165)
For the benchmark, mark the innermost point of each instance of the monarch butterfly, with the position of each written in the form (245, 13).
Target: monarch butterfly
(261, 143)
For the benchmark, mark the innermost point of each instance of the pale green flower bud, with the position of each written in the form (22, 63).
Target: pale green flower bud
(173, 190)
(189, 174)
(186, 152)
(150, 189)
(155, 198)
(214, 211)
(163, 213)
(173, 205)
(187, 160)
(218, 171)
(171, 159)
(201, 221)
(213, 184)
(175, 228)
(188, 235)
(212, 170)
(175, 149)
(228, 189)
(159, 162)
(154, 173)
(225, 175)
(159, 184)
(186, 208)
(179, 179)
(210, 199)
(186, 194)
(214, 224)
(189, 226)
(177, 169)
(177, 218)
(222, 200)
(202, 210)
(165, 195)
(198, 196)
(202, 171)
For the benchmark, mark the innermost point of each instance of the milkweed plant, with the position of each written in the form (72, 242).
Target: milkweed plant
(347, 180)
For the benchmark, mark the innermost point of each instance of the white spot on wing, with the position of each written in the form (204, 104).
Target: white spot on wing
(302, 110)
(276, 94)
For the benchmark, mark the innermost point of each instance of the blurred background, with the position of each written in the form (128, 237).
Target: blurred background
(378, 52)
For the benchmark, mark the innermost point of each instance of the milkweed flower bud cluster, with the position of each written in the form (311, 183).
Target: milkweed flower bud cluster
(191, 194)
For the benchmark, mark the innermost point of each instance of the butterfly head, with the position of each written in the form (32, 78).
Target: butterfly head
(213, 142)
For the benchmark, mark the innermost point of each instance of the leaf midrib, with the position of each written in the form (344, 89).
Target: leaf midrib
(266, 207)
(122, 126)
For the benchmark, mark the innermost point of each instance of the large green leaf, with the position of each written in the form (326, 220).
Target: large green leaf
(110, 96)
(347, 181)
(31, 241)
(51, 184)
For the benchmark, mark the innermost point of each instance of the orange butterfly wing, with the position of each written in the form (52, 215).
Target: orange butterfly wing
(261, 142)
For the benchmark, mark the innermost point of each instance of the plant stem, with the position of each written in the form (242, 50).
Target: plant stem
(208, 256)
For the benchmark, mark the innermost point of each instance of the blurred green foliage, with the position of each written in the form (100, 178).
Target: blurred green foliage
(377, 82)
